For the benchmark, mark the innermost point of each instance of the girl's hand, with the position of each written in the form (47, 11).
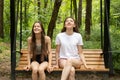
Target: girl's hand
(27, 68)
(87, 67)
(50, 69)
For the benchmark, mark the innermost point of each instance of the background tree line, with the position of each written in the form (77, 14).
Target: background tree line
(48, 11)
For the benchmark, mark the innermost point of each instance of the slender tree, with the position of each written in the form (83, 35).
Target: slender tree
(25, 14)
(38, 4)
(79, 21)
(17, 12)
(1, 18)
(45, 3)
(75, 8)
(88, 19)
(71, 7)
(21, 24)
(52, 23)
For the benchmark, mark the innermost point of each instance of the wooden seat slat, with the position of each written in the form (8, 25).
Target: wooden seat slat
(22, 65)
(23, 59)
(23, 62)
(92, 56)
(92, 51)
(19, 69)
(25, 54)
(97, 66)
(53, 58)
(23, 51)
(95, 63)
(92, 59)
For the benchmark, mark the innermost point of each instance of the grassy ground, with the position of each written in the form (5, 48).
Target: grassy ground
(4, 61)
(5, 66)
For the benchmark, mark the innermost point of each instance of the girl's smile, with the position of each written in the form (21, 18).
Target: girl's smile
(37, 28)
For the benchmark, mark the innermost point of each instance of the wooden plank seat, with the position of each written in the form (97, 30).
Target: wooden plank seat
(23, 61)
(93, 58)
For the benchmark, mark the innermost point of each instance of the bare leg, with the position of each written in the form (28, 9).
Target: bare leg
(62, 63)
(66, 70)
(34, 66)
(72, 74)
(43, 66)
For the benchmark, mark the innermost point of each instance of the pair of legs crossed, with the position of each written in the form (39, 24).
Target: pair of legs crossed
(38, 70)
(69, 66)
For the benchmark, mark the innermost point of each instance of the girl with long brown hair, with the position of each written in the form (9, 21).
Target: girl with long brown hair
(39, 48)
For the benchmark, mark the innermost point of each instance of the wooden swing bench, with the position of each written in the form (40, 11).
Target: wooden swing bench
(93, 58)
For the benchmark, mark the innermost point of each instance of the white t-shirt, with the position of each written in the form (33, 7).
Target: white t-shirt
(68, 44)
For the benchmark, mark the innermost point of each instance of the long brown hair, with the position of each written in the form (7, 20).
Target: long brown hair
(43, 44)
(75, 29)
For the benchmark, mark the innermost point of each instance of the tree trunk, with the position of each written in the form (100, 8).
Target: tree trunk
(75, 9)
(52, 23)
(45, 3)
(71, 8)
(1, 18)
(38, 2)
(17, 12)
(25, 15)
(88, 19)
(79, 21)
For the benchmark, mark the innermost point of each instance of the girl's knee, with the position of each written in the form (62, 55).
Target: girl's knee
(69, 62)
(41, 70)
(72, 71)
(35, 70)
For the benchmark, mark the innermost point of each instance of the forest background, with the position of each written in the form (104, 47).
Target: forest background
(52, 14)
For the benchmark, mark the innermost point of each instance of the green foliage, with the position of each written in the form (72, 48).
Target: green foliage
(6, 21)
(115, 14)
(5, 47)
(56, 31)
(115, 32)
(116, 59)
(115, 40)
(95, 37)
(25, 35)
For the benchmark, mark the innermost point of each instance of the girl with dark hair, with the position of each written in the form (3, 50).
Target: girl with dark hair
(39, 48)
(69, 49)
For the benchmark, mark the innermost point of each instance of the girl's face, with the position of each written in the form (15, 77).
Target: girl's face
(37, 28)
(69, 23)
